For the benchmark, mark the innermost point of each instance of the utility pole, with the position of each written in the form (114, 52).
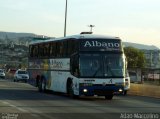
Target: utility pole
(151, 59)
(65, 24)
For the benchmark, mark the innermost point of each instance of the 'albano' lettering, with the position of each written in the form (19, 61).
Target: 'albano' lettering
(101, 44)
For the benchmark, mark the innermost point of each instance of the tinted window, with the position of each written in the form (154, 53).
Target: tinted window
(75, 65)
(61, 48)
(1, 71)
(72, 47)
(98, 65)
(40, 51)
(53, 49)
(46, 50)
(33, 51)
(22, 72)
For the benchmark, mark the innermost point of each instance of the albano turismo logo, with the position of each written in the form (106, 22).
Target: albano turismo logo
(56, 64)
(101, 44)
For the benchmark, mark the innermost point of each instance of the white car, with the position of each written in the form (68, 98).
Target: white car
(2, 74)
(21, 75)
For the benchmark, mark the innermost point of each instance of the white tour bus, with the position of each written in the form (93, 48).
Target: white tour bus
(84, 64)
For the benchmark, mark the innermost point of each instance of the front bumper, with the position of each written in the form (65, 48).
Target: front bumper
(100, 90)
(21, 79)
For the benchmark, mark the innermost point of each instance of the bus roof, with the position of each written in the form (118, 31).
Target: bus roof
(80, 36)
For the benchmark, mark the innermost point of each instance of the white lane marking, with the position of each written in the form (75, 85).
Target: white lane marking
(11, 105)
(35, 115)
(23, 110)
(4, 102)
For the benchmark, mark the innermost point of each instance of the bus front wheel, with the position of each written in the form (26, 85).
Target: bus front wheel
(70, 90)
(108, 97)
(124, 92)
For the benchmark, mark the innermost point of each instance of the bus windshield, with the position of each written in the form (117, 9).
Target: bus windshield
(101, 65)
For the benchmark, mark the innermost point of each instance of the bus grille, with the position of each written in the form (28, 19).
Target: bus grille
(103, 85)
(103, 92)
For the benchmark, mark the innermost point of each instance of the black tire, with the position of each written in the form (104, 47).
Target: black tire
(125, 92)
(42, 85)
(70, 91)
(15, 79)
(108, 97)
(37, 80)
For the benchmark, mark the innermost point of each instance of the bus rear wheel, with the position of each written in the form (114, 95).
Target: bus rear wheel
(42, 85)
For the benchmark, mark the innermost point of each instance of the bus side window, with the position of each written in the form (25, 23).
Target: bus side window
(75, 65)
(31, 51)
(35, 51)
(70, 47)
(50, 51)
(65, 47)
(46, 50)
(40, 49)
(53, 49)
(61, 48)
(57, 49)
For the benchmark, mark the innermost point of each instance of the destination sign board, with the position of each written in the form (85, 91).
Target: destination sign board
(100, 45)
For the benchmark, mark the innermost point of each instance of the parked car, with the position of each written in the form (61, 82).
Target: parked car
(21, 75)
(2, 74)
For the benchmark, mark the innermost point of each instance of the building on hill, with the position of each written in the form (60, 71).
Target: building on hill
(152, 54)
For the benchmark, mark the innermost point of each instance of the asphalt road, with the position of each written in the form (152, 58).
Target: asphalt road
(23, 101)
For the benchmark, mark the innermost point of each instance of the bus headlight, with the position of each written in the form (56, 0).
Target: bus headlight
(120, 90)
(85, 90)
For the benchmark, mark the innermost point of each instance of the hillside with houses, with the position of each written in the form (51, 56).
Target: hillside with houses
(14, 48)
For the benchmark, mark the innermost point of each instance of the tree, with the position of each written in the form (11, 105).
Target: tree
(135, 57)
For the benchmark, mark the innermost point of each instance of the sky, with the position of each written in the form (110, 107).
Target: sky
(136, 21)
